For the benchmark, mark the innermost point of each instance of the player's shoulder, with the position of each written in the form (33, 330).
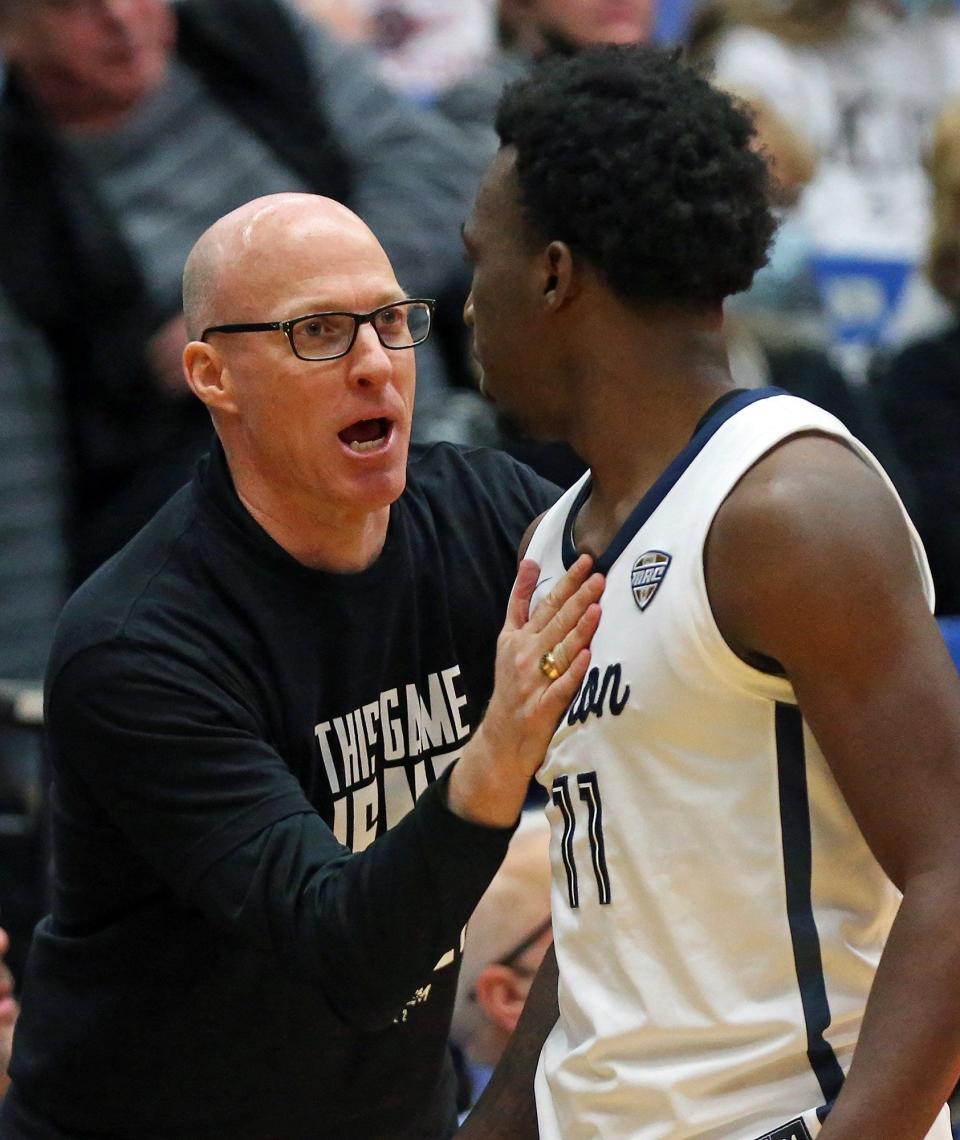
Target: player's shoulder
(801, 471)
(811, 541)
(811, 485)
(810, 510)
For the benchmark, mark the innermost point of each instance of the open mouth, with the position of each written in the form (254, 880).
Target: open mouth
(366, 435)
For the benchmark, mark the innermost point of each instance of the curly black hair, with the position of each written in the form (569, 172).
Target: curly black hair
(643, 168)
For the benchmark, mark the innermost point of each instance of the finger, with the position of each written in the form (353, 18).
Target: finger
(518, 605)
(558, 694)
(566, 651)
(561, 592)
(565, 620)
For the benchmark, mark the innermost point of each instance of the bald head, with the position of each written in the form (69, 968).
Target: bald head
(288, 418)
(515, 904)
(248, 254)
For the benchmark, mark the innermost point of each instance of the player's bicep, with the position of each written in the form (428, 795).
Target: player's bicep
(810, 564)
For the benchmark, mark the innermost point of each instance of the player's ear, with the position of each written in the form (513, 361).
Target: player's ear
(208, 377)
(559, 275)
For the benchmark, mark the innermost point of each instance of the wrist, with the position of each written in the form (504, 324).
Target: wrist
(484, 791)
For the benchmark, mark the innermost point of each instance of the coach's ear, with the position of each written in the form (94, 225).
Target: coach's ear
(208, 377)
(560, 284)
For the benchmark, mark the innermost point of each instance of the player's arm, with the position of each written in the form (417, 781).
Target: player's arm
(809, 564)
(506, 1110)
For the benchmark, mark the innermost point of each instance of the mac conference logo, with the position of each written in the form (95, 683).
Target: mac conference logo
(648, 572)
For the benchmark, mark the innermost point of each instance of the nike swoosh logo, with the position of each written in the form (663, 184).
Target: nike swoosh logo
(533, 597)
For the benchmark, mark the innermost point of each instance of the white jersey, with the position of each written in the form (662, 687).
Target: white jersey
(718, 917)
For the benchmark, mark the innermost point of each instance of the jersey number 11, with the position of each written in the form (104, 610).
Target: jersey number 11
(589, 789)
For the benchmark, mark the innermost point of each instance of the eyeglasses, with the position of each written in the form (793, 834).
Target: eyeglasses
(524, 945)
(327, 336)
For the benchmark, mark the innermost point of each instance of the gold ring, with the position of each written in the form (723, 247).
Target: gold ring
(548, 666)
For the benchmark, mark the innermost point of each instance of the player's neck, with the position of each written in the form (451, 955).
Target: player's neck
(639, 410)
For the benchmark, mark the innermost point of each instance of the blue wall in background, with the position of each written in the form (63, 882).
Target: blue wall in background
(672, 18)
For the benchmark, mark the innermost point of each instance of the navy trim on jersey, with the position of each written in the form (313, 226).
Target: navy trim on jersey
(728, 405)
(798, 870)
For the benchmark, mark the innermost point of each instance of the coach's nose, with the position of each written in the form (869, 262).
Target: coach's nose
(370, 363)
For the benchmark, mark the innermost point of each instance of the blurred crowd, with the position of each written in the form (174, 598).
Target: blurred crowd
(128, 126)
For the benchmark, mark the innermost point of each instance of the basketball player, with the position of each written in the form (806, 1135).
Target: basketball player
(274, 806)
(765, 752)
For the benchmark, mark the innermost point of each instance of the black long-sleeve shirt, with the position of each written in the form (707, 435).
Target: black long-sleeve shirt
(257, 914)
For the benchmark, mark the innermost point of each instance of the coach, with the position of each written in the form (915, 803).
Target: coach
(274, 803)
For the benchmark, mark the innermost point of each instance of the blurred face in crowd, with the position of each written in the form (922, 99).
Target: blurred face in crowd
(88, 61)
(508, 936)
(580, 22)
(323, 433)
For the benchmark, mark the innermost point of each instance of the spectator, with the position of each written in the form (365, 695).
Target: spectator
(538, 28)
(33, 578)
(919, 390)
(272, 814)
(9, 1009)
(422, 46)
(347, 19)
(846, 94)
(779, 331)
(32, 570)
(127, 128)
(507, 937)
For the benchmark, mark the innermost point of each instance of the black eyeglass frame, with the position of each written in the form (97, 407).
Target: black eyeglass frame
(286, 327)
(524, 944)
